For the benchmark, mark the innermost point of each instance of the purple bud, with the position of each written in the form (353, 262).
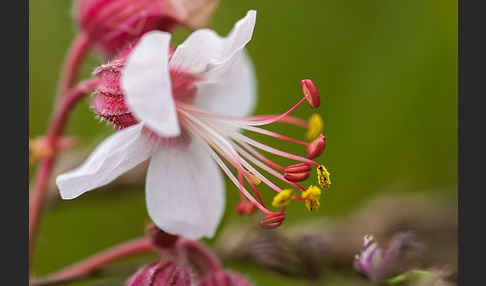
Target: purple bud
(160, 274)
(380, 263)
(224, 278)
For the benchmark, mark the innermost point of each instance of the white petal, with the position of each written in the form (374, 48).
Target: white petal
(146, 84)
(185, 191)
(113, 157)
(234, 94)
(207, 55)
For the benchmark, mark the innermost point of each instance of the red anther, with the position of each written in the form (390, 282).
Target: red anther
(298, 168)
(298, 172)
(297, 177)
(159, 238)
(245, 208)
(272, 221)
(316, 147)
(311, 93)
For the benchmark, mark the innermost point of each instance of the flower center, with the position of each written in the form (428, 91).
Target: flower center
(229, 148)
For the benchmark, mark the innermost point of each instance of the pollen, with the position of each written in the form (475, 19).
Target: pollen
(323, 177)
(312, 196)
(254, 179)
(316, 124)
(282, 199)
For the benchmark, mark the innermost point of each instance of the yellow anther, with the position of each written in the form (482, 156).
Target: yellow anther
(254, 179)
(316, 124)
(312, 196)
(323, 177)
(282, 199)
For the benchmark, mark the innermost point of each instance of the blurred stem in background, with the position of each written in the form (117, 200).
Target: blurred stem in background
(95, 262)
(72, 64)
(44, 170)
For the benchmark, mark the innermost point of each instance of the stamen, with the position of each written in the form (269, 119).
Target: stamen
(261, 157)
(230, 175)
(315, 148)
(245, 208)
(235, 160)
(323, 177)
(278, 118)
(265, 167)
(312, 196)
(252, 185)
(272, 221)
(239, 137)
(223, 141)
(282, 199)
(273, 134)
(316, 125)
(298, 172)
(242, 120)
(288, 119)
(254, 179)
(310, 91)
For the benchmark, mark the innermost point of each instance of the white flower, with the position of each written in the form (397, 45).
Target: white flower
(189, 105)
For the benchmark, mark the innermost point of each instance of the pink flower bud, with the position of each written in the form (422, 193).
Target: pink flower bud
(316, 147)
(224, 278)
(111, 24)
(310, 91)
(109, 103)
(160, 274)
(297, 173)
(272, 221)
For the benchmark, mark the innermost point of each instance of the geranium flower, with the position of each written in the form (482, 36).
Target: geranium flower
(183, 108)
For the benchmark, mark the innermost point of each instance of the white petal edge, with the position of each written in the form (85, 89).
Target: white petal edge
(207, 55)
(185, 191)
(114, 156)
(146, 84)
(234, 95)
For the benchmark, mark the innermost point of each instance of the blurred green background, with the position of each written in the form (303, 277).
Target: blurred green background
(386, 71)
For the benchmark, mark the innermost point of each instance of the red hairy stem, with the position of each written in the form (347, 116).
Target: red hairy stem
(72, 63)
(44, 170)
(99, 260)
(195, 248)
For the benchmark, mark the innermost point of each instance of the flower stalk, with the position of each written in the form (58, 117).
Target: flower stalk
(77, 52)
(44, 170)
(97, 261)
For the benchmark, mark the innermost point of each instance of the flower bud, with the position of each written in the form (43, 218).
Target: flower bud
(224, 278)
(111, 24)
(272, 221)
(315, 148)
(297, 172)
(310, 91)
(109, 103)
(379, 263)
(161, 274)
